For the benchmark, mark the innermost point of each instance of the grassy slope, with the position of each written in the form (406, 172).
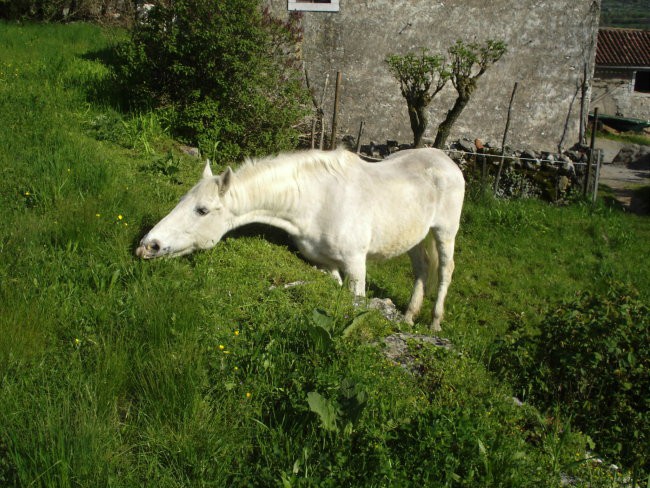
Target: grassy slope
(193, 372)
(625, 13)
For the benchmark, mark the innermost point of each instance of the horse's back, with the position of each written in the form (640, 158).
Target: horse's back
(407, 194)
(433, 162)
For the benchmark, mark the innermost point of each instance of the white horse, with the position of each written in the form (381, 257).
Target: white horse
(339, 210)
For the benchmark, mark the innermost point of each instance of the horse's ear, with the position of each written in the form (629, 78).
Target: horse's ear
(226, 181)
(207, 171)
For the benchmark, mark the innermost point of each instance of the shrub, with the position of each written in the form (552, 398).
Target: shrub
(591, 357)
(223, 70)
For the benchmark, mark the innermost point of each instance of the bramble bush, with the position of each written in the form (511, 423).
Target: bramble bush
(221, 70)
(591, 358)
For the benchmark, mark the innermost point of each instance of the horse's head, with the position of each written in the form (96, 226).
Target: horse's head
(198, 221)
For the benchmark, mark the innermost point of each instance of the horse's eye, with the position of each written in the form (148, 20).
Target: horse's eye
(202, 211)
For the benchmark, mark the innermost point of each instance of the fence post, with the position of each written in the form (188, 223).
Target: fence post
(590, 159)
(599, 160)
(321, 113)
(503, 143)
(335, 116)
(361, 126)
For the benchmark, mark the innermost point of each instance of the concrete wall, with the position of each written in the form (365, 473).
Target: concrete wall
(613, 93)
(548, 43)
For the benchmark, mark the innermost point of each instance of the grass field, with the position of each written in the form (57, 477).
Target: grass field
(205, 371)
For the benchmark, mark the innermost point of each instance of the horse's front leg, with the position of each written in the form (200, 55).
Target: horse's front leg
(355, 272)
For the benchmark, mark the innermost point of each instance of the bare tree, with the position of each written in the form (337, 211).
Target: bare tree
(421, 77)
(467, 63)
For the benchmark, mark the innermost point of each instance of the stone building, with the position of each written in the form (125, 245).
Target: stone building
(622, 76)
(549, 44)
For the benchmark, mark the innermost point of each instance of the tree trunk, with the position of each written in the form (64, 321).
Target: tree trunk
(445, 126)
(419, 120)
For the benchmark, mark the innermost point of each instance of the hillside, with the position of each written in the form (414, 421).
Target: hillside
(207, 371)
(633, 14)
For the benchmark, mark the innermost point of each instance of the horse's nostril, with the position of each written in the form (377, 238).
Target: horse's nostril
(154, 246)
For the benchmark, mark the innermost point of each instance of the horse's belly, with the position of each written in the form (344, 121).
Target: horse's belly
(389, 243)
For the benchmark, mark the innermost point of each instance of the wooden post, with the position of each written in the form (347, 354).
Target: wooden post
(335, 115)
(590, 159)
(599, 160)
(313, 133)
(503, 143)
(361, 126)
(583, 101)
(321, 113)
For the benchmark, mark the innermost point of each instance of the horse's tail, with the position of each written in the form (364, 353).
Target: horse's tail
(431, 254)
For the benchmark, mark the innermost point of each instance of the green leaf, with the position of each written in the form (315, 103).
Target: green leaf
(326, 410)
(321, 319)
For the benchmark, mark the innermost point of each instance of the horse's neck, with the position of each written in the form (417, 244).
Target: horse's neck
(266, 196)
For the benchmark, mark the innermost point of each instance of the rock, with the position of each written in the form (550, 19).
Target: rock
(428, 141)
(566, 165)
(529, 153)
(466, 145)
(573, 155)
(563, 184)
(398, 349)
(530, 159)
(384, 306)
(190, 151)
(286, 286)
(349, 142)
(633, 156)
(532, 164)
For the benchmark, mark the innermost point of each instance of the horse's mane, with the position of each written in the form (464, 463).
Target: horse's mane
(297, 165)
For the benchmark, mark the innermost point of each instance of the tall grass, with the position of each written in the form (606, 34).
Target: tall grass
(199, 371)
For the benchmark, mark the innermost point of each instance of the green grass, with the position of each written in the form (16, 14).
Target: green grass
(198, 371)
(625, 13)
(627, 137)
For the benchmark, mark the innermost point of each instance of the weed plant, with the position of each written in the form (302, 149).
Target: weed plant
(207, 370)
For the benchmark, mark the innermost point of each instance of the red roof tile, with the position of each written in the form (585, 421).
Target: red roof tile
(623, 47)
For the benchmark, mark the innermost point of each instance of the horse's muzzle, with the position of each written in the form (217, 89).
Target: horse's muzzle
(148, 249)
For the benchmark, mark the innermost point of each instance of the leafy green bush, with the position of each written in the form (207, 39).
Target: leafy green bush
(222, 70)
(591, 357)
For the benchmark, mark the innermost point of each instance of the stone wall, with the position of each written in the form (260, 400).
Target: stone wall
(613, 93)
(549, 42)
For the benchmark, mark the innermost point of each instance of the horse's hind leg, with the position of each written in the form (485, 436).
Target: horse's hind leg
(445, 244)
(420, 264)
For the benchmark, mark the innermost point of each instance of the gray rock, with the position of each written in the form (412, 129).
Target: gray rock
(191, 151)
(466, 145)
(633, 156)
(401, 349)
